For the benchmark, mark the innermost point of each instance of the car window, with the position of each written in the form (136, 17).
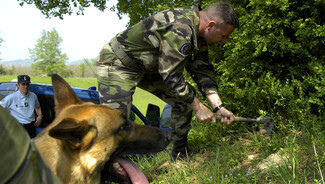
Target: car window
(6, 88)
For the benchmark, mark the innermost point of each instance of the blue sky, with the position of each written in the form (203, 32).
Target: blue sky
(83, 36)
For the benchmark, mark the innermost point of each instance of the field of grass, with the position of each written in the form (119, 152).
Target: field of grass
(234, 154)
(237, 155)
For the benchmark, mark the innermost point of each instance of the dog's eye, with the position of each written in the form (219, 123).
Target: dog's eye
(126, 126)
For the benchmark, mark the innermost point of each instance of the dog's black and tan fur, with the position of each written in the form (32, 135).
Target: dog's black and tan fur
(85, 139)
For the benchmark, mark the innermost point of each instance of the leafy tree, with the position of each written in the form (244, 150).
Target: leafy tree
(273, 65)
(2, 70)
(138, 10)
(82, 69)
(58, 8)
(1, 40)
(47, 56)
(12, 70)
(91, 64)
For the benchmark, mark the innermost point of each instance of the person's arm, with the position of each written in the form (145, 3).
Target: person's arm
(203, 73)
(39, 116)
(203, 114)
(6, 101)
(215, 101)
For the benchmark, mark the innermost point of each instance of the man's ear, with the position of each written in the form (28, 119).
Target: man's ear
(211, 24)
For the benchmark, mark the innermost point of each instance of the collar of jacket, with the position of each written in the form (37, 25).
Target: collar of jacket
(196, 23)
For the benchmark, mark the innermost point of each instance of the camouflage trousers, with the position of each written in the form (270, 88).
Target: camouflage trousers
(117, 84)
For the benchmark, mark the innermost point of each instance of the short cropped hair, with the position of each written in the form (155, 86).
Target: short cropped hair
(223, 10)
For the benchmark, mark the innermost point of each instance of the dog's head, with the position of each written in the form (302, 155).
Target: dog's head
(98, 136)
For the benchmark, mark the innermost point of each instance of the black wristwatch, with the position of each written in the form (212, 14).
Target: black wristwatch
(217, 108)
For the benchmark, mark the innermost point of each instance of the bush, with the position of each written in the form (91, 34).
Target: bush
(274, 64)
(2, 70)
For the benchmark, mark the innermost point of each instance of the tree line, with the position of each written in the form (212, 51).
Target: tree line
(272, 66)
(48, 58)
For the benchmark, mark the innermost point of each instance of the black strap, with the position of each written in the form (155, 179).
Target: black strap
(218, 108)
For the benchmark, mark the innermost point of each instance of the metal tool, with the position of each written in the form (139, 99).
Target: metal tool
(267, 122)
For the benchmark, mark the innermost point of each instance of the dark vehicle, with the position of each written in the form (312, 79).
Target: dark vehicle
(45, 97)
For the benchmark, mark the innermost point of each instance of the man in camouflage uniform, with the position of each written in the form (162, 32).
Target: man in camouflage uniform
(152, 55)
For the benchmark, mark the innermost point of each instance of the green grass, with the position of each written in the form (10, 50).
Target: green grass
(235, 158)
(232, 154)
(73, 82)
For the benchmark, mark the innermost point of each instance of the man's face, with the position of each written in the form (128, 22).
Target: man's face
(218, 33)
(23, 88)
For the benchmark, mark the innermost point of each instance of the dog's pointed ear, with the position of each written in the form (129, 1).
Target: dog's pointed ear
(63, 93)
(78, 134)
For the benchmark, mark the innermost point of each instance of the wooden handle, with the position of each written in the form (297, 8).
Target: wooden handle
(239, 119)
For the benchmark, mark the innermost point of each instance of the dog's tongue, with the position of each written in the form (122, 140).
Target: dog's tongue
(134, 172)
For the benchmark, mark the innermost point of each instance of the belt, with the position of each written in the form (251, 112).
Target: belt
(118, 50)
(120, 53)
(29, 124)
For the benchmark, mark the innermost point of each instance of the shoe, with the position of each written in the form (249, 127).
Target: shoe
(183, 155)
(181, 150)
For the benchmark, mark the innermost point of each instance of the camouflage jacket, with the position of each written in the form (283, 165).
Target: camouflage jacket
(19, 158)
(166, 43)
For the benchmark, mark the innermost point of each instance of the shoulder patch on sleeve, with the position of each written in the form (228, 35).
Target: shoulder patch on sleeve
(185, 49)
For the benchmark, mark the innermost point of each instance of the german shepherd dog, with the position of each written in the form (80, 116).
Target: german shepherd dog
(86, 142)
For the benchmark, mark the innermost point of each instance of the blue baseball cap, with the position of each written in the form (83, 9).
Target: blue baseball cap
(23, 79)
